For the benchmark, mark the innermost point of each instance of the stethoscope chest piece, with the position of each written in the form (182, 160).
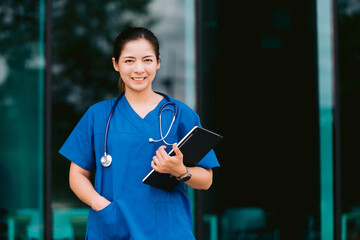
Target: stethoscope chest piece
(106, 160)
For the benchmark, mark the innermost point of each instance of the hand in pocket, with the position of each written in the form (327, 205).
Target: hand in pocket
(100, 203)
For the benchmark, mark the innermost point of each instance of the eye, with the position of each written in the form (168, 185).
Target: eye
(148, 60)
(128, 60)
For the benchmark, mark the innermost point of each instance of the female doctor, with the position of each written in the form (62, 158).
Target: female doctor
(122, 207)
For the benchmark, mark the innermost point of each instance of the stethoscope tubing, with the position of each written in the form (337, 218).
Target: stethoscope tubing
(106, 159)
(109, 120)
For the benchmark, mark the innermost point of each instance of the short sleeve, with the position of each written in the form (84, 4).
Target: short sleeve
(79, 147)
(189, 121)
(210, 160)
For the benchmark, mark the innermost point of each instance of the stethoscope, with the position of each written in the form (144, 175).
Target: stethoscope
(106, 159)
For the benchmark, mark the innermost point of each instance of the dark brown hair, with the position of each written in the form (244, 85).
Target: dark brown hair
(130, 34)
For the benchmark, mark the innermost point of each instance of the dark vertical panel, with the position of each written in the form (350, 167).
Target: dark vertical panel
(258, 88)
(198, 196)
(347, 35)
(198, 52)
(47, 121)
(337, 133)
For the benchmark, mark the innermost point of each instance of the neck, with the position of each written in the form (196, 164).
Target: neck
(139, 97)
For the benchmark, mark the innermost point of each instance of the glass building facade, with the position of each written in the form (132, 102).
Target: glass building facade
(22, 119)
(278, 79)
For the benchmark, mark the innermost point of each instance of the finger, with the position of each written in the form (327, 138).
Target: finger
(163, 153)
(160, 151)
(159, 156)
(156, 161)
(177, 150)
(153, 165)
(162, 147)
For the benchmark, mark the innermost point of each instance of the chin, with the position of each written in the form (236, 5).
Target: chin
(138, 88)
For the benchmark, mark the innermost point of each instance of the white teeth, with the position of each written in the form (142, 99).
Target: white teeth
(138, 79)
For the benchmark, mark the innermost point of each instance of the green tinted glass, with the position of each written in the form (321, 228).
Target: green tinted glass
(21, 121)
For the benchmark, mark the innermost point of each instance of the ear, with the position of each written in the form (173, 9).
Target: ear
(115, 64)
(158, 63)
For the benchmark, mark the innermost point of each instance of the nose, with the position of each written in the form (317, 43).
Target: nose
(139, 67)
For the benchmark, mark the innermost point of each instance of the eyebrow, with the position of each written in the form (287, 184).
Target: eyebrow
(147, 56)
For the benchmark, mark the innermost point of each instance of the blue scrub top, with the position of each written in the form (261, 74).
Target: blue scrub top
(137, 211)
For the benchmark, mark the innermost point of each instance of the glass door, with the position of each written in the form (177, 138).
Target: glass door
(21, 121)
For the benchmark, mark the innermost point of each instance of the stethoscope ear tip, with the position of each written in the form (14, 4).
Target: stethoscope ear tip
(151, 140)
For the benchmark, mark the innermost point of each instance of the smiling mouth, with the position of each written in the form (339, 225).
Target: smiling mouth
(138, 78)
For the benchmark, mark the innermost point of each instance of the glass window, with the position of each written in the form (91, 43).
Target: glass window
(83, 34)
(21, 121)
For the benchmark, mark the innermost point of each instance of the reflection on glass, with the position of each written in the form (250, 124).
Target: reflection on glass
(21, 121)
(325, 76)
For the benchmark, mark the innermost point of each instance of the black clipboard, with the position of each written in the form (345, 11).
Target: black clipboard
(194, 146)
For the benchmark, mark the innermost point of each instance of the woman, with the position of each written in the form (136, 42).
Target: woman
(122, 207)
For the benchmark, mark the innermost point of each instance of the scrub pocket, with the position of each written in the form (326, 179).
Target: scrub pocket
(111, 223)
(172, 223)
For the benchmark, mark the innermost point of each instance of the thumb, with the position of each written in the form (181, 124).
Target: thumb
(177, 150)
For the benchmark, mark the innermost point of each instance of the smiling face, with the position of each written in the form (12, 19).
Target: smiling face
(137, 65)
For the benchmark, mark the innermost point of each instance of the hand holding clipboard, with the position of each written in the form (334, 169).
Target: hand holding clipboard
(194, 146)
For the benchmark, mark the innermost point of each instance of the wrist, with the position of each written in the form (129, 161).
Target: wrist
(180, 171)
(95, 202)
(185, 177)
(98, 203)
